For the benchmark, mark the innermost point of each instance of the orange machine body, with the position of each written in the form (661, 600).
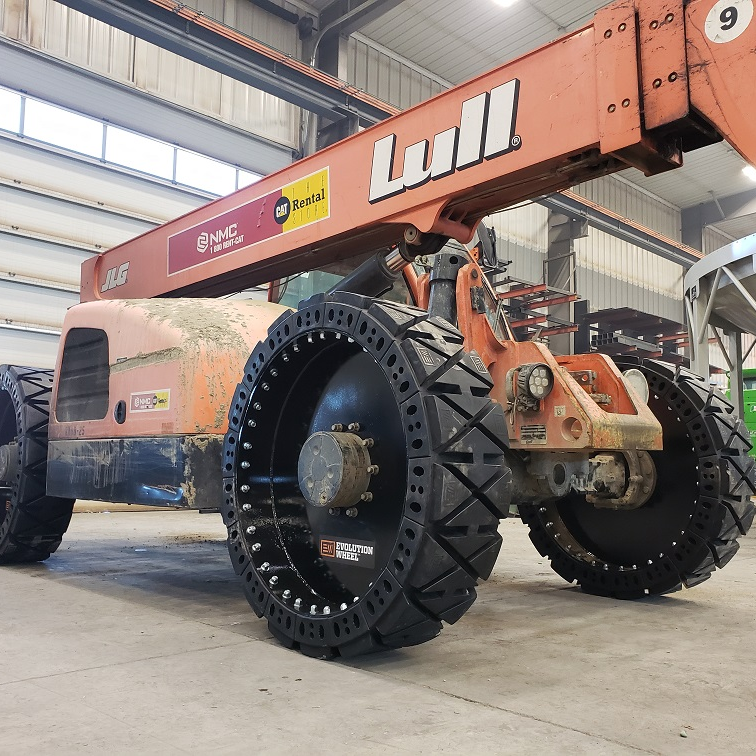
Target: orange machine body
(642, 82)
(142, 396)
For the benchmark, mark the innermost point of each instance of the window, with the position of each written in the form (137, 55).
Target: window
(139, 152)
(83, 386)
(10, 111)
(111, 144)
(62, 128)
(749, 384)
(205, 173)
(246, 179)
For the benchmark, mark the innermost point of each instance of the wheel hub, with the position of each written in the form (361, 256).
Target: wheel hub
(334, 469)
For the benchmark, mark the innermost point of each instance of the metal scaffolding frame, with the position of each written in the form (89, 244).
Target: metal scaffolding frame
(719, 293)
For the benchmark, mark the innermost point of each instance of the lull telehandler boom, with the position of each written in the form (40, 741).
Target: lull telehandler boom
(370, 448)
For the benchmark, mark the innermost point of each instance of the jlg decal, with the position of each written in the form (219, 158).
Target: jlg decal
(115, 277)
(486, 131)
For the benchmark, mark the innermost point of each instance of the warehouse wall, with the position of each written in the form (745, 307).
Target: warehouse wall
(393, 80)
(56, 210)
(71, 36)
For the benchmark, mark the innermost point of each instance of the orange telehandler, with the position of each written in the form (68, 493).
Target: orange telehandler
(362, 451)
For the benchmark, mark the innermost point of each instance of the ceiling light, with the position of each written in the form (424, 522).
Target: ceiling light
(505, 3)
(750, 171)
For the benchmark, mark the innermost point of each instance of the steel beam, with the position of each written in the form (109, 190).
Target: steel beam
(349, 16)
(192, 35)
(572, 205)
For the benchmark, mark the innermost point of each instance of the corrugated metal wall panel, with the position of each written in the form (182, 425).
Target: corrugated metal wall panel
(628, 200)
(22, 302)
(28, 348)
(713, 239)
(33, 258)
(40, 215)
(92, 182)
(391, 80)
(78, 39)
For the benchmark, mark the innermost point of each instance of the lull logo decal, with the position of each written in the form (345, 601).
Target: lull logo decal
(293, 206)
(486, 131)
(358, 553)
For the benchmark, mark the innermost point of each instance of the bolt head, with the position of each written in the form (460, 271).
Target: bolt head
(286, 594)
(354, 427)
(245, 465)
(352, 512)
(344, 607)
(367, 496)
(337, 428)
(273, 580)
(245, 488)
(252, 424)
(247, 446)
(247, 507)
(251, 530)
(297, 603)
(256, 547)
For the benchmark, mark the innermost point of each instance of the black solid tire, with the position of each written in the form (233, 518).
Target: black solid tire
(458, 484)
(708, 439)
(32, 524)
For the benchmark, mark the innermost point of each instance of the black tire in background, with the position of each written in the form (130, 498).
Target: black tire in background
(32, 524)
(690, 526)
(443, 486)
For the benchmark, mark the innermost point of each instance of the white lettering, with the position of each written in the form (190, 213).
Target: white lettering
(486, 131)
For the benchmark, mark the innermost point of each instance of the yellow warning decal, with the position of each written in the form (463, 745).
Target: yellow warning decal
(308, 200)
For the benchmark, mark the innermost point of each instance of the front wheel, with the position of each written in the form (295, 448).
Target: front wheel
(364, 476)
(692, 522)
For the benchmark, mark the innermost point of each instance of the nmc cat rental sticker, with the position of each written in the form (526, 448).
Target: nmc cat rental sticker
(292, 206)
(150, 401)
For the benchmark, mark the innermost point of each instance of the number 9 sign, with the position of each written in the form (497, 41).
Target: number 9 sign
(728, 19)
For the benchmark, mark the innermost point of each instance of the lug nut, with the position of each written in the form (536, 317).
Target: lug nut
(257, 406)
(274, 373)
(367, 496)
(337, 428)
(252, 424)
(286, 594)
(297, 603)
(352, 512)
(251, 530)
(368, 442)
(247, 446)
(343, 607)
(313, 609)
(326, 610)
(334, 511)
(245, 488)
(354, 427)
(247, 507)
(245, 465)
(256, 547)
(373, 469)
(273, 580)
(265, 566)
(285, 357)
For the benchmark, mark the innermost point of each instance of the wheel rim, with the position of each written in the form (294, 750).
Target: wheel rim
(318, 382)
(636, 537)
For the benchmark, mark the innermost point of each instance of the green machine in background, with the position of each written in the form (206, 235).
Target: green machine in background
(749, 404)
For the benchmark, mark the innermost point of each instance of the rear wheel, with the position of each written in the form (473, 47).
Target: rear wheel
(689, 527)
(341, 561)
(32, 524)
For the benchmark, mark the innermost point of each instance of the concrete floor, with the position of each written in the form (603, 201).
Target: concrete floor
(135, 637)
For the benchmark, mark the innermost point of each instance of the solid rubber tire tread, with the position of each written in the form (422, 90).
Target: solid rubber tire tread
(33, 527)
(723, 512)
(456, 539)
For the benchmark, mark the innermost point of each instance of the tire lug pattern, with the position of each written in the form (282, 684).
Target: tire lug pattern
(33, 527)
